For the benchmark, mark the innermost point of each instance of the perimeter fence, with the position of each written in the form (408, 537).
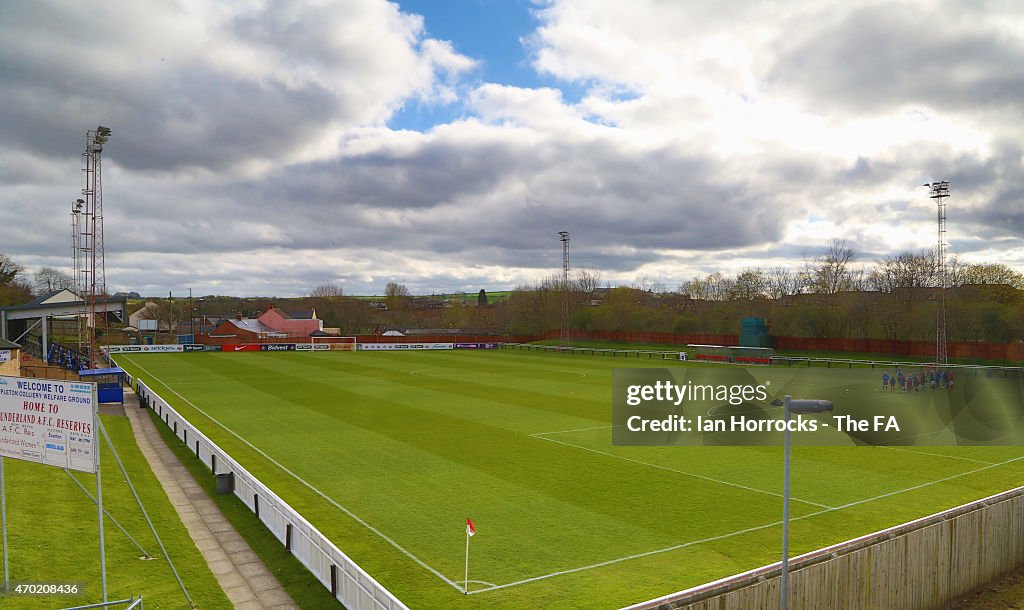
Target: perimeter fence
(926, 563)
(347, 582)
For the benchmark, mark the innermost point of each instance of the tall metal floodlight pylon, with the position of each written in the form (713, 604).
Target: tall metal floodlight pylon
(91, 268)
(564, 328)
(77, 207)
(939, 191)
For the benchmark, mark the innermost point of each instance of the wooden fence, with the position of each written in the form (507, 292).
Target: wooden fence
(956, 349)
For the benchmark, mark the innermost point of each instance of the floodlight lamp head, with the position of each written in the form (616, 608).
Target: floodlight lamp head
(807, 406)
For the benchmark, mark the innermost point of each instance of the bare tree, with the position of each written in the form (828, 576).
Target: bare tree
(326, 291)
(991, 273)
(14, 289)
(584, 286)
(9, 270)
(905, 270)
(587, 282)
(49, 279)
(719, 287)
(750, 284)
(166, 313)
(781, 282)
(695, 289)
(832, 272)
(396, 295)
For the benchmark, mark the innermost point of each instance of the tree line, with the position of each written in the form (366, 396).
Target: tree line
(18, 286)
(831, 295)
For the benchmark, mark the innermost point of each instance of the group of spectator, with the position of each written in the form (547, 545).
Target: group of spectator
(927, 378)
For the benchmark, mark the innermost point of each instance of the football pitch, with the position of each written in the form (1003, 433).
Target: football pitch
(388, 454)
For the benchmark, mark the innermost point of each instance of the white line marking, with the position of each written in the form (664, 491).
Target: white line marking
(739, 532)
(301, 480)
(482, 582)
(447, 375)
(573, 430)
(683, 472)
(952, 457)
(942, 480)
(611, 561)
(972, 425)
(638, 555)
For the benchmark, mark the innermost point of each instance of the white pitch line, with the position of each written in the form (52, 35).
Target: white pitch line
(972, 425)
(376, 531)
(479, 582)
(445, 375)
(683, 472)
(929, 483)
(738, 532)
(611, 561)
(638, 555)
(952, 457)
(573, 430)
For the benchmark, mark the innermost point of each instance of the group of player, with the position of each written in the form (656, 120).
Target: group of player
(929, 377)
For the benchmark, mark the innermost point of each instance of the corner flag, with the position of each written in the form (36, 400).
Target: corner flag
(470, 531)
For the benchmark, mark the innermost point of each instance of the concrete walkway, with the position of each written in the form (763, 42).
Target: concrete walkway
(243, 576)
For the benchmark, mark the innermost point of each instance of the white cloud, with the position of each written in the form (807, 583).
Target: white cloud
(253, 135)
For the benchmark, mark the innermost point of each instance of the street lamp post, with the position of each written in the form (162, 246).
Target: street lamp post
(793, 406)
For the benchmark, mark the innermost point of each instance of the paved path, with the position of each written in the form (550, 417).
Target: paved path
(243, 576)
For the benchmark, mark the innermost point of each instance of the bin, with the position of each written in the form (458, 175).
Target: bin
(225, 482)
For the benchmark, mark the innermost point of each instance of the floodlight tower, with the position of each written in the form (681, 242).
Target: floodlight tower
(93, 286)
(939, 191)
(564, 334)
(77, 207)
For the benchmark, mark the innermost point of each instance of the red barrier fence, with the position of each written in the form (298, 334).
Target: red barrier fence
(446, 339)
(956, 349)
(647, 337)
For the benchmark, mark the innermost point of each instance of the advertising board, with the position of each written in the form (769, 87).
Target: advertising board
(405, 346)
(152, 349)
(48, 422)
(476, 346)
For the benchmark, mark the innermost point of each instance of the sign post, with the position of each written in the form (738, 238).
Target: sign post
(3, 517)
(50, 422)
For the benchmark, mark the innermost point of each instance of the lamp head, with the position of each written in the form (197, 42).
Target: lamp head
(807, 406)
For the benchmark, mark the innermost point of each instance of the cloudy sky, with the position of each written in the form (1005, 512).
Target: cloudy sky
(266, 147)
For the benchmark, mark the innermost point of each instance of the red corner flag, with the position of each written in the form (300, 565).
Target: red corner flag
(470, 530)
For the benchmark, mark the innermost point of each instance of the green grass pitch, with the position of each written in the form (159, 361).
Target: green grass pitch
(404, 447)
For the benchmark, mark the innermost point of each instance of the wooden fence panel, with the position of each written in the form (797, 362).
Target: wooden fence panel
(934, 562)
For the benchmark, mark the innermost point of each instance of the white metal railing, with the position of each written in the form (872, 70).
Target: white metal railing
(349, 583)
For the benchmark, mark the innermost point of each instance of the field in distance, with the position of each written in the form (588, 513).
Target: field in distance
(389, 453)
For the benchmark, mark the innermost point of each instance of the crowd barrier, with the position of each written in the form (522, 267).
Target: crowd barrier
(593, 351)
(347, 582)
